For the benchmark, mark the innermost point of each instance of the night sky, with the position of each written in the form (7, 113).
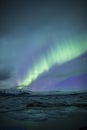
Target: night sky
(43, 44)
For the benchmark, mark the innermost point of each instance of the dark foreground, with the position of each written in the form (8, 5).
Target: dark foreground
(26, 111)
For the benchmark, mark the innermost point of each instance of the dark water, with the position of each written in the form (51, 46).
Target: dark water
(73, 122)
(37, 112)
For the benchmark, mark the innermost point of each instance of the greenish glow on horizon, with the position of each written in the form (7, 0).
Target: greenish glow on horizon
(59, 54)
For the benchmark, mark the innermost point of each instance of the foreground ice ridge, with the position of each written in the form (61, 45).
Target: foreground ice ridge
(40, 107)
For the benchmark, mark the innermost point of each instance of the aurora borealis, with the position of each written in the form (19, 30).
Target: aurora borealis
(44, 44)
(56, 55)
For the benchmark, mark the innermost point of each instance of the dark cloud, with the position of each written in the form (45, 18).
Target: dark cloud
(5, 74)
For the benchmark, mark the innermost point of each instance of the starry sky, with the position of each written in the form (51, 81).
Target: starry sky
(43, 45)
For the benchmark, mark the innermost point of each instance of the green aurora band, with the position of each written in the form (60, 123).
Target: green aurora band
(58, 54)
